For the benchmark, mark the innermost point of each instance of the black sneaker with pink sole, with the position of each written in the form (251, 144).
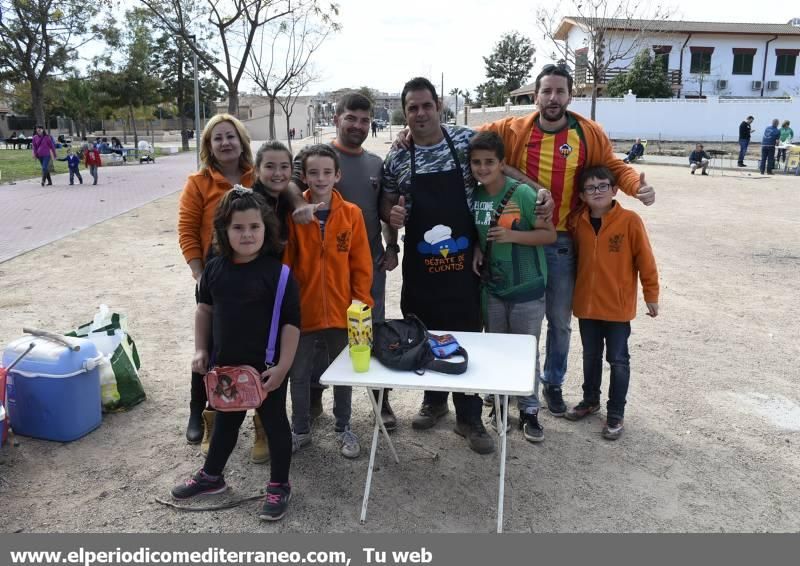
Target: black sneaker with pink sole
(276, 503)
(199, 484)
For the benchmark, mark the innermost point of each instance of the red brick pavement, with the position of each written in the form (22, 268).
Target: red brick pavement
(32, 216)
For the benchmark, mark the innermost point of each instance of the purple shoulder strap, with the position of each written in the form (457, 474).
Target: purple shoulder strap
(276, 316)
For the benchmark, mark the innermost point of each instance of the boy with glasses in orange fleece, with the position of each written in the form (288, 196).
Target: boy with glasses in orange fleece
(612, 250)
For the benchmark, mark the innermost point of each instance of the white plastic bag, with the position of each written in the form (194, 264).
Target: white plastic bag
(119, 377)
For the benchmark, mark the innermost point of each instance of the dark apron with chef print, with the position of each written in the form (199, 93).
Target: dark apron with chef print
(438, 283)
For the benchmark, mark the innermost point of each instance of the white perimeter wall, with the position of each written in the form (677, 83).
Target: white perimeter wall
(712, 119)
(258, 125)
(721, 60)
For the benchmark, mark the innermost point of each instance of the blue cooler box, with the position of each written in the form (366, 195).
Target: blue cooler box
(53, 393)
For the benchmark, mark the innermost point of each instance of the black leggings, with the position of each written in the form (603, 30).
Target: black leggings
(199, 399)
(279, 436)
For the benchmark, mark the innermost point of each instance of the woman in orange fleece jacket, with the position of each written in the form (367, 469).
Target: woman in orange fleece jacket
(612, 249)
(332, 263)
(225, 160)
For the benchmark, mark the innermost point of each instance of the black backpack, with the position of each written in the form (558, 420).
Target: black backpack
(403, 344)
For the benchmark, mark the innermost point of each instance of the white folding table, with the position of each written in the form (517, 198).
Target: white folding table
(502, 364)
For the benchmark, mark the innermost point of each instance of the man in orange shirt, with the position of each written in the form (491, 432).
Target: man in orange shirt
(551, 148)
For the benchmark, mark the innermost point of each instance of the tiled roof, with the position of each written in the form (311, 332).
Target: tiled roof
(529, 88)
(685, 27)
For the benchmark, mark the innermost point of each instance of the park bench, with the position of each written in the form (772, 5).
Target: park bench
(17, 143)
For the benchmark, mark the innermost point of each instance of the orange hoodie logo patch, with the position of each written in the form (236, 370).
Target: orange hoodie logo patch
(615, 243)
(343, 241)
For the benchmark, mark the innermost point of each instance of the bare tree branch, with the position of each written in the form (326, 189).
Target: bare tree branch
(298, 37)
(613, 30)
(235, 33)
(293, 90)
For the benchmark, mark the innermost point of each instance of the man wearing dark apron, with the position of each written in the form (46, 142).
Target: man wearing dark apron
(426, 190)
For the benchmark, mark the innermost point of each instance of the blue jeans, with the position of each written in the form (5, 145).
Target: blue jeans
(561, 263)
(315, 352)
(594, 333)
(45, 163)
(743, 149)
(519, 318)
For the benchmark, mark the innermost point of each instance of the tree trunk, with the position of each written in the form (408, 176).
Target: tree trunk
(233, 100)
(288, 131)
(37, 101)
(271, 132)
(182, 100)
(133, 122)
(594, 99)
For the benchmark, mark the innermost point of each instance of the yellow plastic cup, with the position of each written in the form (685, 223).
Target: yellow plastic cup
(359, 355)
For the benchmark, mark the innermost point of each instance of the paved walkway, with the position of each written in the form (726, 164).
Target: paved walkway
(32, 216)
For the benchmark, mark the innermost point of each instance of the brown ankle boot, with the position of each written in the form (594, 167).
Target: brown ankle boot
(260, 451)
(208, 421)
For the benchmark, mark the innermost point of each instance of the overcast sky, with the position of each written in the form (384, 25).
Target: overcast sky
(382, 44)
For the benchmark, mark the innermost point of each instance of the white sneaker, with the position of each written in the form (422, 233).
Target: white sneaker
(300, 440)
(348, 442)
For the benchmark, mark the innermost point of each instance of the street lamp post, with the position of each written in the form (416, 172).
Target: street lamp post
(196, 104)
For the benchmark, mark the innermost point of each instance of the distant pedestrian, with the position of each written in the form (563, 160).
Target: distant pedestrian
(637, 150)
(771, 138)
(91, 157)
(786, 138)
(374, 129)
(74, 164)
(699, 158)
(744, 138)
(44, 150)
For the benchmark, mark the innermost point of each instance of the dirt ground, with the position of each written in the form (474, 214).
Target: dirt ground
(712, 441)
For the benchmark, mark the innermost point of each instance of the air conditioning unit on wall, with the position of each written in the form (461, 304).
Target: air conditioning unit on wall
(772, 85)
(722, 84)
(756, 85)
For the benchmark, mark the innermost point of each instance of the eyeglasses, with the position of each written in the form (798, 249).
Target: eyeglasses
(592, 189)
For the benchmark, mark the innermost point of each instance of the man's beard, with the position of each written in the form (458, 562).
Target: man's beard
(559, 110)
(354, 137)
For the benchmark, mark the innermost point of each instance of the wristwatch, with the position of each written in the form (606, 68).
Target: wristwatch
(393, 248)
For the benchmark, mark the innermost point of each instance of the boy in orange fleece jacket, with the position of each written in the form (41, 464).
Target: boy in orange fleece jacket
(331, 261)
(612, 249)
